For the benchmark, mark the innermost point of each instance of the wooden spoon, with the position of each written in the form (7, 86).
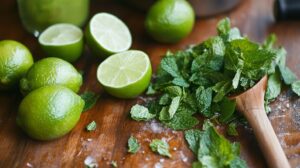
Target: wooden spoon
(251, 105)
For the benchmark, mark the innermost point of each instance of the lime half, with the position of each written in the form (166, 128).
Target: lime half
(62, 40)
(106, 34)
(126, 74)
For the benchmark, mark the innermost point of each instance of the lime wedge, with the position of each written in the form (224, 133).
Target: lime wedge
(126, 74)
(106, 34)
(62, 40)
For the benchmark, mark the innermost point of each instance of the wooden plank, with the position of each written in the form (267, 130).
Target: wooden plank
(109, 141)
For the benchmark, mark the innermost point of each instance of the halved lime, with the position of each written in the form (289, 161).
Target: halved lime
(126, 74)
(62, 40)
(106, 34)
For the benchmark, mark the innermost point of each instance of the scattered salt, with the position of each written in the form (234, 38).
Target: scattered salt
(147, 158)
(154, 127)
(175, 149)
(183, 157)
(161, 160)
(29, 165)
(158, 165)
(89, 139)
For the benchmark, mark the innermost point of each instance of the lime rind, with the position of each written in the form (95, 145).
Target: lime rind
(61, 34)
(114, 71)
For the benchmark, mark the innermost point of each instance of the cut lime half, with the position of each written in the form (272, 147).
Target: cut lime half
(106, 34)
(62, 40)
(126, 74)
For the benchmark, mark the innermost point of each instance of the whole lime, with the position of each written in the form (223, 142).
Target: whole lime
(49, 112)
(169, 21)
(51, 71)
(15, 60)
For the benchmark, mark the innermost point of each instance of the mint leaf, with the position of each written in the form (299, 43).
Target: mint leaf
(90, 99)
(161, 147)
(223, 26)
(269, 42)
(221, 88)
(150, 90)
(91, 126)
(141, 113)
(182, 120)
(234, 34)
(227, 109)
(238, 163)
(174, 106)
(296, 87)
(274, 86)
(192, 137)
(179, 81)
(164, 99)
(133, 145)
(236, 79)
(204, 99)
(287, 75)
(215, 151)
(231, 130)
(169, 65)
(174, 90)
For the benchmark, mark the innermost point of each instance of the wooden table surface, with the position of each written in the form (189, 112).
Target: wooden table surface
(109, 141)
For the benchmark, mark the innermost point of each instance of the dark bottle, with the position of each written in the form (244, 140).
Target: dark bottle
(287, 9)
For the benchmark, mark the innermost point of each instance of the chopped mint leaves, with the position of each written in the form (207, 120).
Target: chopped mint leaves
(90, 99)
(161, 147)
(133, 145)
(199, 80)
(140, 113)
(91, 126)
(212, 149)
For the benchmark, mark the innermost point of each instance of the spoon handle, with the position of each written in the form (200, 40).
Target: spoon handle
(267, 138)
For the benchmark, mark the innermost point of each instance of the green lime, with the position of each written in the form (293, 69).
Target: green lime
(49, 112)
(126, 74)
(106, 34)
(15, 60)
(51, 71)
(62, 40)
(169, 21)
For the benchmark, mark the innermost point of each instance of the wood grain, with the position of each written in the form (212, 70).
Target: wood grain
(109, 141)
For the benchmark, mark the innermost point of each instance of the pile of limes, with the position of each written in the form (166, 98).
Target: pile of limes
(51, 106)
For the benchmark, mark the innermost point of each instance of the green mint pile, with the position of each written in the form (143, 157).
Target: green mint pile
(212, 149)
(199, 79)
